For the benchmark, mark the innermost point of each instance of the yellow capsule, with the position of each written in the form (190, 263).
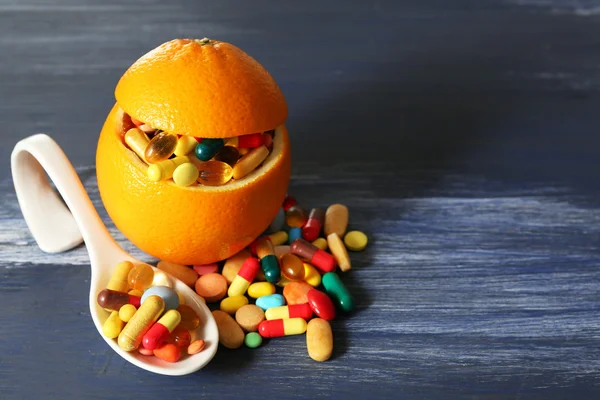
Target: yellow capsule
(250, 161)
(112, 326)
(126, 312)
(320, 243)
(311, 275)
(231, 304)
(164, 170)
(233, 142)
(161, 147)
(131, 336)
(214, 173)
(356, 240)
(137, 141)
(243, 152)
(185, 145)
(337, 248)
(278, 238)
(118, 280)
(294, 326)
(260, 289)
(185, 174)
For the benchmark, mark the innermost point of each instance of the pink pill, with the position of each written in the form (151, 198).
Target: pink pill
(206, 269)
(145, 352)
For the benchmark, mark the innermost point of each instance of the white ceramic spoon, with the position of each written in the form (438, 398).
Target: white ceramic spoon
(57, 228)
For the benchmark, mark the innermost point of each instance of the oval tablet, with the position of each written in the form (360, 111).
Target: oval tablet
(319, 339)
(336, 220)
(212, 287)
(295, 292)
(231, 304)
(230, 333)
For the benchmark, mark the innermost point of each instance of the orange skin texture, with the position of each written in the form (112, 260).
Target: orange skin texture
(210, 90)
(186, 225)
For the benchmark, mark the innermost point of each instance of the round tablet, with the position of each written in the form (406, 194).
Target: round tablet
(355, 240)
(249, 317)
(253, 340)
(213, 287)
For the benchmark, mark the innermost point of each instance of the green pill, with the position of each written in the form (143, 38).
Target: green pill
(337, 291)
(253, 340)
(270, 266)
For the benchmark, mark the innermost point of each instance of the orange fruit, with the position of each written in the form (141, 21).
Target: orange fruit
(188, 87)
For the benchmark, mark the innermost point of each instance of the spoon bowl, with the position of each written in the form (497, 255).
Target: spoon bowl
(57, 228)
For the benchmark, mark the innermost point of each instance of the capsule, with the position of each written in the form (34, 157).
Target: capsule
(112, 300)
(160, 331)
(250, 162)
(131, 336)
(214, 173)
(161, 147)
(140, 277)
(268, 260)
(244, 277)
(293, 234)
(314, 224)
(338, 292)
(321, 304)
(311, 275)
(164, 170)
(185, 145)
(137, 141)
(296, 216)
(282, 327)
(270, 301)
(250, 141)
(229, 155)
(315, 256)
(207, 148)
(278, 238)
(292, 311)
(118, 280)
(189, 319)
(292, 267)
(112, 326)
(288, 202)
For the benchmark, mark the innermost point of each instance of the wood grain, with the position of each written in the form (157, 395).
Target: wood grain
(463, 137)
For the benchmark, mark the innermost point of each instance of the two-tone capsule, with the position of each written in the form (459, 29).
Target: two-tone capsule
(160, 331)
(303, 311)
(244, 277)
(268, 260)
(113, 300)
(282, 327)
(314, 224)
(315, 256)
(132, 334)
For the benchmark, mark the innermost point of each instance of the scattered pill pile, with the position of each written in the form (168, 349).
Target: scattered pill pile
(189, 160)
(285, 283)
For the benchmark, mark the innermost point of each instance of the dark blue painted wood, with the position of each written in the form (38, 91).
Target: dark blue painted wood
(462, 135)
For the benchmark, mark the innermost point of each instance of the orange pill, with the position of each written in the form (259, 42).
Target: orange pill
(213, 287)
(196, 347)
(182, 272)
(292, 267)
(249, 317)
(296, 292)
(189, 319)
(168, 352)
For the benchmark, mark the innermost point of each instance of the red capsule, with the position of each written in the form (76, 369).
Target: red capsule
(321, 304)
(315, 256)
(312, 228)
(288, 202)
(250, 141)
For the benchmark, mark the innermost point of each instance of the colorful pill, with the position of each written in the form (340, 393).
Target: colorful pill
(278, 238)
(113, 325)
(293, 234)
(112, 300)
(311, 275)
(214, 173)
(356, 240)
(206, 269)
(282, 327)
(321, 304)
(146, 128)
(137, 141)
(160, 331)
(292, 311)
(250, 162)
(169, 296)
(229, 155)
(319, 339)
(161, 279)
(131, 336)
(270, 301)
(160, 148)
(338, 249)
(315, 256)
(320, 243)
(180, 337)
(126, 312)
(296, 217)
(207, 148)
(292, 267)
(279, 221)
(253, 340)
(314, 224)
(244, 277)
(250, 141)
(260, 289)
(185, 145)
(164, 170)
(183, 273)
(231, 304)
(270, 267)
(118, 280)
(288, 202)
(338, 292)
(185, 174)
(140, 277)
(336, 219)
(189, 318)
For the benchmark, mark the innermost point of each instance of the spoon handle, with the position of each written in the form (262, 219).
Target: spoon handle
(53, 226)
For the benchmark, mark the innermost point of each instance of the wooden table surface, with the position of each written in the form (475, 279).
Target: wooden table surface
(462, 135)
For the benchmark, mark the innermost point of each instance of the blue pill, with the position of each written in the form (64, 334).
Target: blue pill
(270, 301)
(168, 295)
(207, 148)
(279, 222)
(293, 234)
